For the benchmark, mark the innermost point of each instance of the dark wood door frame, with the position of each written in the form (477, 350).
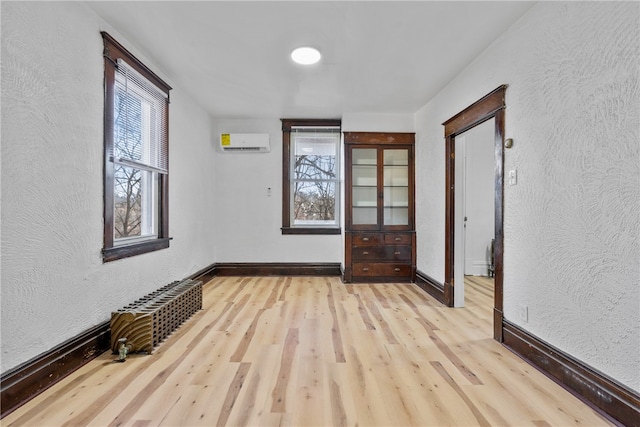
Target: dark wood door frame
(490, 106)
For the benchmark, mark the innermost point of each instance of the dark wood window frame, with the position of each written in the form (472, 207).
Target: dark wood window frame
(287, 125)
(112, 52)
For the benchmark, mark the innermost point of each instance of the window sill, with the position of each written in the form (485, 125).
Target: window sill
(318, 230)
(119, 252)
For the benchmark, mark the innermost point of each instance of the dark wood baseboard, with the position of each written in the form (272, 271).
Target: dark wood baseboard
(616, 402)
(430, 286)
(278, 269)
(205, 274)
(26, 381)
(498, 319)
(613, 400)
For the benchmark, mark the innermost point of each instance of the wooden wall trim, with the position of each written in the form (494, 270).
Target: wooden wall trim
(491, 105)
(431, 286)
(21, 384)
(205, 274)
(613, 400)
(377, 138)
(476, 113)
(278, 269)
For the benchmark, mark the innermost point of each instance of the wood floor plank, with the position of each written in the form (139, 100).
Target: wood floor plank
(340, 397)
(369, 405)
(382, 322)
(335, 328)
(309, 381)
(246, 339)
(379, 296)
(364, 314)
(234, 312)
(311, 351)
(481, 420)
(279, 392)
(232, 394)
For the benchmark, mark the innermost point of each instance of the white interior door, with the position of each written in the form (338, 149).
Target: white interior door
(459, 227)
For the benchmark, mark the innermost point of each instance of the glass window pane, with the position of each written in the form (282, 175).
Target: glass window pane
(135, 203)
(315, 167)
(396, 196)
(365, 216)
(315, 156)
(364, 156)
(139, 119)
(127, 126)
(396, 216)
(364, 175)
(396, 157)
(314, 203)
(396, 176)
(364, 196)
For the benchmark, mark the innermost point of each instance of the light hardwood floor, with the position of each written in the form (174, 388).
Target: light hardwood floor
(297, 351)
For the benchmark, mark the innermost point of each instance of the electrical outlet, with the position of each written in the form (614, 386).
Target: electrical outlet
(523, 313)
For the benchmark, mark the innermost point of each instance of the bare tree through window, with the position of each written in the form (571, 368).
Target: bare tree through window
(136, 146)
(128, 145)
(315, 178)
(311, 176)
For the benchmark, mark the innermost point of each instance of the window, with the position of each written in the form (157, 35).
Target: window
(310, 176)
(136, 146)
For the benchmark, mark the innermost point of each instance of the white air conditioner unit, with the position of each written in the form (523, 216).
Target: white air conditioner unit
(245, 142)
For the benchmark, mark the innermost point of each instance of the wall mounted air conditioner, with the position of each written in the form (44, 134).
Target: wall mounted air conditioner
(245, 142)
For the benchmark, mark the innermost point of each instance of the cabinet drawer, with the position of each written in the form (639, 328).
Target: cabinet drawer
(368, 239)
(397, 239)
(381, 253)
(380, 269)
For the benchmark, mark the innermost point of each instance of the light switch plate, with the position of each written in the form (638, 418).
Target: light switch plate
(513, 177)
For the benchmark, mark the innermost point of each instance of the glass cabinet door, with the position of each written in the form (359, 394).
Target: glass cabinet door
(364, 190)
(396, 186)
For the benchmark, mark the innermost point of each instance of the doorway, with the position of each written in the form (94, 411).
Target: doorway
(489, 107)
(474, 228)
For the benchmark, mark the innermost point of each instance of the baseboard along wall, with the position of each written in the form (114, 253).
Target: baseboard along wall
(431, 286)
(26, 381)
(618, 403)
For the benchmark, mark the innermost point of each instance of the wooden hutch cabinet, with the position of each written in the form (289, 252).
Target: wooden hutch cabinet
(380, 238)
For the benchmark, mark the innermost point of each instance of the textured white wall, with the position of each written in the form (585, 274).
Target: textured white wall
(365, 122)
(572, 224)
(248, 221)
(54, 284)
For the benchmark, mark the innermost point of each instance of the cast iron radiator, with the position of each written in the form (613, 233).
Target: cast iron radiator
(149, 320)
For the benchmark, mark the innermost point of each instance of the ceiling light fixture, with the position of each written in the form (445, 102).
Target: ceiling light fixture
(305, 55)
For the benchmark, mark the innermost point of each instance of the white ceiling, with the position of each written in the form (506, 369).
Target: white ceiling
(378, 57)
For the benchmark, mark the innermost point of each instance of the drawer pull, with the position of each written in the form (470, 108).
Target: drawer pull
(396, 269)
(365, 269)
(398, 239)
(365, 239)
(397, 253)
(365, 253)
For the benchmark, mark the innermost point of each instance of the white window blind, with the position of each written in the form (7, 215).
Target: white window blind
(140, 140)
